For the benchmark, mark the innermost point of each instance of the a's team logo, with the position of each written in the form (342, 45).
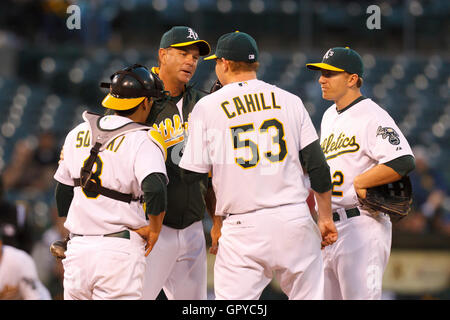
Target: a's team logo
(328, 54)
(251, 56)
(192, 34)
(389, 133)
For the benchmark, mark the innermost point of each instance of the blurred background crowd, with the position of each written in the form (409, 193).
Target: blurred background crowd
(49, 74)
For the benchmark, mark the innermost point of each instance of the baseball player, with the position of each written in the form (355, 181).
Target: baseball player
(364, 148)
(18, 276)
(177, 264)
(255, 137)
(113, 166)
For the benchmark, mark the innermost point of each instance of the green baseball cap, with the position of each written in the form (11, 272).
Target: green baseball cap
(340, 59)
(236, 46)
(181, 36)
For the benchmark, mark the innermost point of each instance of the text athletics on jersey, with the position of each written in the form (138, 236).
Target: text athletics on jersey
(342, 145)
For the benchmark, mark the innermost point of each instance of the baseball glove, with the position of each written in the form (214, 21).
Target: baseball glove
(216, 86)
(58, 248)
(394, 198)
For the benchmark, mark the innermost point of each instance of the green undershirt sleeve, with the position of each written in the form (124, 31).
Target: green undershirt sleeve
(63, 197)
(402, 165)
(154, 187)
(313, 160)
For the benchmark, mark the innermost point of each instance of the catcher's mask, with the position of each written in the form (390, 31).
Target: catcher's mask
(130, 86)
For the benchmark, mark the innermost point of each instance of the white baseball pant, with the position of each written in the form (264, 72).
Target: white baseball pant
(177, 264)
(283, 240)
(355, 263)
(104, 268)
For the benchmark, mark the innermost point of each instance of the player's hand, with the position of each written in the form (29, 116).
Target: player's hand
(215, 234)
(328, 231)
(361, 192)
(150, 236)
(150, 232)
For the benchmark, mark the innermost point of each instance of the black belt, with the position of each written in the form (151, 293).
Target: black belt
(354, 212)
(125, 234)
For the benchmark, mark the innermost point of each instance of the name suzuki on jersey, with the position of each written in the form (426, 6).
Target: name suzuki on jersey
(335, 147)
(247, 103)
(84, 140)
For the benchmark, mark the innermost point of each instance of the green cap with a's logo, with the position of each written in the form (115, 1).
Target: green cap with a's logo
(340, 59)
(236, 46)
(181, 36)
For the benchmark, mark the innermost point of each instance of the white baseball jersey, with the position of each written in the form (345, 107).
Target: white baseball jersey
(250, 131)
(353, 141)
(356, 140)
(18, 276)
(122, 166)
(250, 134)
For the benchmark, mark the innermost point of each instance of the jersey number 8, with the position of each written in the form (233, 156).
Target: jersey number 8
(96, 177)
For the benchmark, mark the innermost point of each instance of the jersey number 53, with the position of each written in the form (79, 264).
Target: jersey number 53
(253, 160)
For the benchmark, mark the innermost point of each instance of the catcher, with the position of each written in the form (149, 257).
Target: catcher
(112, 166)
(59, 247)
(369, 159)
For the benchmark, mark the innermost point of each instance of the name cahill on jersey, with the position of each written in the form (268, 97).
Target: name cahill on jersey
(333, 148)
(253, 103)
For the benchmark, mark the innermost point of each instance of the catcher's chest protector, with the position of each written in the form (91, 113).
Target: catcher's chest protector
(101, 138)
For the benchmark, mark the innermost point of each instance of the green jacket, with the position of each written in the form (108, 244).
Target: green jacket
(185, 202)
